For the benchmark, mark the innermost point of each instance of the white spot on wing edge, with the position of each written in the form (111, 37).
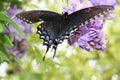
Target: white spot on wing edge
(24, 19)
(96, 16)
(39, 32)
(105, 12)
(56, 40)
(66, 37)
(30, 22)
(81, 24)
(45, 42)
(42, 37)
(86, 22)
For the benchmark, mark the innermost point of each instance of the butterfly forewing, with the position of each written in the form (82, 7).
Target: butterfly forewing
(85, 15)
(38, 15)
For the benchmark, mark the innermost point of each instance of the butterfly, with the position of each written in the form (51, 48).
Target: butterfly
(56, 27)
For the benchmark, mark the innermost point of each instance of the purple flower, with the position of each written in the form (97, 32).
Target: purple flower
(77, 5)
(88, 36)
(20, 47)
(13, 11)
(103, 2)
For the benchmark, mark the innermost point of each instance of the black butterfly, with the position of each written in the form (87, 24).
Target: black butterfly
(57, 27)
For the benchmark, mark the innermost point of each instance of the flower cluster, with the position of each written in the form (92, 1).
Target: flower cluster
(20, 47)
(103, 2)
(88, 36)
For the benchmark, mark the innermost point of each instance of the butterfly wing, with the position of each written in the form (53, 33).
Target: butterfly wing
(48, 32)
(38, 15)
(53, 29)
(84, 16)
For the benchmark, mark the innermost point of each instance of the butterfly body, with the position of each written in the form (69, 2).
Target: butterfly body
(54, 32)
(57, 27)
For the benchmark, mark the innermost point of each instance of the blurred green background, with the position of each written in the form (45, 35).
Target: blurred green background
(70, 63)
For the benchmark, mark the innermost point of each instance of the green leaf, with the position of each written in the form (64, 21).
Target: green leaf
(39, 58)
(1, 26)
(5, 40)
(7, 19)
(3, 54)
(3, 57)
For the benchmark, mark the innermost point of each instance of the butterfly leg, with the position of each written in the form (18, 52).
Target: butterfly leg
(55, 48)
(44, 57)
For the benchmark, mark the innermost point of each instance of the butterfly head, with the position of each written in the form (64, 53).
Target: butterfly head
(65, 15)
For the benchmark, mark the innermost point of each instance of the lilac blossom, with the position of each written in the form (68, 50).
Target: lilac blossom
(20, 47)
(103, 2)
(88, 36)
(77, 5)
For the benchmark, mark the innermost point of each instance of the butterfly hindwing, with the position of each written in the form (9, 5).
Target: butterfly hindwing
(48, 33)
(38, 15)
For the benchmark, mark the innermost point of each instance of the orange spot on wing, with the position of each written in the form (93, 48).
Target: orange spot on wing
(75, 26)
(40, 26)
